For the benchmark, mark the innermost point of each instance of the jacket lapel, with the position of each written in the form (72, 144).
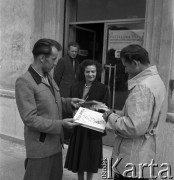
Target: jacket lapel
(93, 88)
(80, 89)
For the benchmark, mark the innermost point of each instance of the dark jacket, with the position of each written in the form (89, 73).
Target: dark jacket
(98, 92)
(65, 76)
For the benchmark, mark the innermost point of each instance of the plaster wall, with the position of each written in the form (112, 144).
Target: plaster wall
(10, 121)
(16, 39)
(159, 43)
(22, 23)
(17, 25)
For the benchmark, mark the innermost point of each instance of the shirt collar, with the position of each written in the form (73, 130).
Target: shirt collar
(150, 71)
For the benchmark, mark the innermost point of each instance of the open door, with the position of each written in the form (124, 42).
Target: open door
(86, 38)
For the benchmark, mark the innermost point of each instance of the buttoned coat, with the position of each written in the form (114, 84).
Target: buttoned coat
(40, 107)
(65, 76)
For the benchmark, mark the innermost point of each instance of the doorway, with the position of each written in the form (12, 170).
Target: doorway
(90, 39)
(103, 42)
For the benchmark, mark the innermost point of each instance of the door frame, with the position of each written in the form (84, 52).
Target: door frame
(105, 38)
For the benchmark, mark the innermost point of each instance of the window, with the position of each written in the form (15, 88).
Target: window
(95, 10)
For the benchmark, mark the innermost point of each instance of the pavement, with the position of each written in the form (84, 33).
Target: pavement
(12, 155)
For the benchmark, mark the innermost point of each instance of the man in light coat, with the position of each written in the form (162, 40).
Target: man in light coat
(40, 107)
(135, 143)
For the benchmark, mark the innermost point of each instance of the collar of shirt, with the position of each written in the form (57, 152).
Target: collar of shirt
(150, 71)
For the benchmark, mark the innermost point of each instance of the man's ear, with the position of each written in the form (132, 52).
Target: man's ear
(136, 63)
(42, 58)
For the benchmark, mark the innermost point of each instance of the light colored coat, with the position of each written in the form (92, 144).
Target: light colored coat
(135, 141)
(40, 108)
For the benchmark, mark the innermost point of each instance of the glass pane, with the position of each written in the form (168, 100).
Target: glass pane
(93, 10)
(119, 36)
(85, 37)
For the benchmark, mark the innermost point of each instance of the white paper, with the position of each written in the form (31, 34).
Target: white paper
(90, 119)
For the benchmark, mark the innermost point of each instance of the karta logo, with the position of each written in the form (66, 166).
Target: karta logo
(110, 168)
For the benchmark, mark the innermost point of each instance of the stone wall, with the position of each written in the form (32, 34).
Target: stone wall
(159, 42)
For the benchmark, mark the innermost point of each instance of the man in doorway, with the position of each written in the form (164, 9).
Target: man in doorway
(134, 126)
(40, 107)
(66, 71)
(65, 75)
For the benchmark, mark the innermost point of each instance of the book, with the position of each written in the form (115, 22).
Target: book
(90, 119)
(97, 106)
(90, 103)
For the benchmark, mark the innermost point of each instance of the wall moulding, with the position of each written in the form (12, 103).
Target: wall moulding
(7, 93)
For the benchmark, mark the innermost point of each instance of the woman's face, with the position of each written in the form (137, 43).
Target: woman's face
(90, 73)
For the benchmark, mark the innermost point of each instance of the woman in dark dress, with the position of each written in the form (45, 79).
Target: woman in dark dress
(85, 148)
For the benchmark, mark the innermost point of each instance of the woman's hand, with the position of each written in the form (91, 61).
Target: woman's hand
(76, 102)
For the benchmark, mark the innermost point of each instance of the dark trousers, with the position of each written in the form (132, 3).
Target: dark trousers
(120, 177)
(50, 168)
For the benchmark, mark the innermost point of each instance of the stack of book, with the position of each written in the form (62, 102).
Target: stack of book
(90, 119)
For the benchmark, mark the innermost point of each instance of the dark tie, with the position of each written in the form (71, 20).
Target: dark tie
(74, 65)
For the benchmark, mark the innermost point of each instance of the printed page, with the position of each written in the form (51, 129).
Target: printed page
(90, 119)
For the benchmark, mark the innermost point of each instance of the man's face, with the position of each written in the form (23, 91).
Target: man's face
(131, 68)
(73, 51)
(50, 61)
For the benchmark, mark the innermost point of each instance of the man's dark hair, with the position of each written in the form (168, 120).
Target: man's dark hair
(135, 52)
(74, 44)
(89, 62)
(44, 46)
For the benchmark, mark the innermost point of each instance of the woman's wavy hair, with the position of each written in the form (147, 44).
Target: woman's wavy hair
(90, 62)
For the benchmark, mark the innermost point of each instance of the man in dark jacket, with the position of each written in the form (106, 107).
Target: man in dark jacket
(66, 71)
(40, 107)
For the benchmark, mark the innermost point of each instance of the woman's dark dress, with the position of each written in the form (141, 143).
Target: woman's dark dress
(85, 148)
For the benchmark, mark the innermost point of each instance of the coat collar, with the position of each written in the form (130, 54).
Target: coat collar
(141, 76)
(35, 75)
(38, 79)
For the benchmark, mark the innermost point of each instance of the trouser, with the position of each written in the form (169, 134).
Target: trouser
(120, 177)
(49, 168)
